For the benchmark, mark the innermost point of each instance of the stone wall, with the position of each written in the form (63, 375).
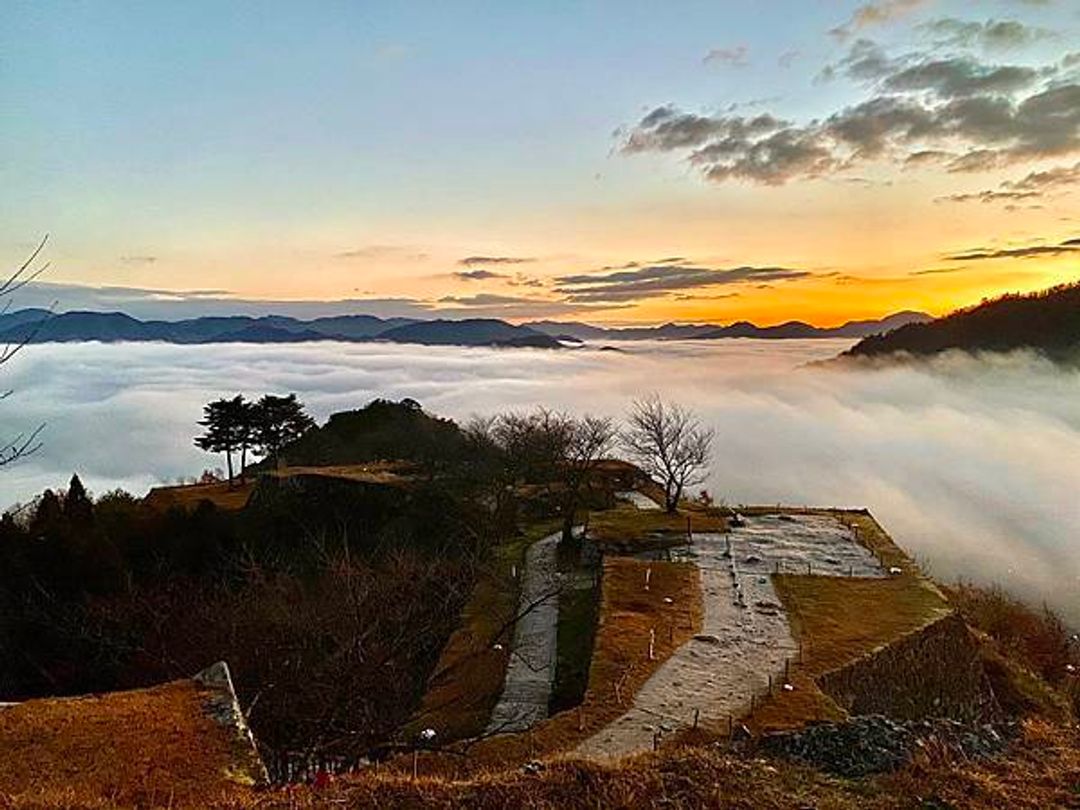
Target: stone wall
(933, 672)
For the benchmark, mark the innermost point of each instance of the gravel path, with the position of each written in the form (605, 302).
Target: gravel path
(745, 636)
(531, 671)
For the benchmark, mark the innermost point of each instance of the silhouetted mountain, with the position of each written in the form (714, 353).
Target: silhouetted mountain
(672, 331)
(1047, 321)
(40, 326)
(471, 332)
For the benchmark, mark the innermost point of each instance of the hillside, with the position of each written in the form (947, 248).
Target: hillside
(1046, 321)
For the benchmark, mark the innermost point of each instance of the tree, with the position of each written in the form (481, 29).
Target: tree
(23, 444)
(669, 443)
(278, 421)
(229, 429)
(587, 440)
(552, 449)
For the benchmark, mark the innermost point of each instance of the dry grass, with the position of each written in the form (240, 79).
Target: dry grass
(188, 496)
(628, 529)
(838, 620)
(620, 666)
(1027, 652)
(131, 748)
(375, 472)
(1042, 770)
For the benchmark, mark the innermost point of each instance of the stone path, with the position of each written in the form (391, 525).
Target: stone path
(531, 671)
(745, 636)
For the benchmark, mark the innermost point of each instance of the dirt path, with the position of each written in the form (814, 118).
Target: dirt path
(531, 671)
(745, 636)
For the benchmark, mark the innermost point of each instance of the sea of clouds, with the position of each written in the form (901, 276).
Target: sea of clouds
(973, 464)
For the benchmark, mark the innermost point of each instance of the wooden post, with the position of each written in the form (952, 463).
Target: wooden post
(648, 576)
(697, 713)
(808, 569)
(688, 535)
(787, 670)
(730, 726)
(652, 644)
(415, 761)
(770, 683)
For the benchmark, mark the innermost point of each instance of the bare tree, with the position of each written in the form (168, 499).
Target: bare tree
(588, 440)
(25, 443)
(554, 450)
(669, 443)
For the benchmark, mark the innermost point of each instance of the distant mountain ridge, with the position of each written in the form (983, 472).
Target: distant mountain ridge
(41, 326)
(1046, 321)
(744, 329)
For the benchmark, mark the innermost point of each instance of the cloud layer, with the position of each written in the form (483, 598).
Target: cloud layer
(971, 464)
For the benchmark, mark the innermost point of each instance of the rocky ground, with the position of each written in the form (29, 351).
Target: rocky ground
(875, 744)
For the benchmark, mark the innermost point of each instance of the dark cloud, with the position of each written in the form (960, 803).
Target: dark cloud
(960, 77)
(1029, 252)
(956, 112)
(473, 261)
(935, 271)
(653, 281)
(733, 57)
(991, 34)
(990, 196)
(478, 275)
(1032, 186)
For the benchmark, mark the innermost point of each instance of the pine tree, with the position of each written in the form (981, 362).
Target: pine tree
(229, 428)
(278, 421)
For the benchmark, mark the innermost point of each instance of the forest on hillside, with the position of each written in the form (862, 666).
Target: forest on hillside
(1047, 321)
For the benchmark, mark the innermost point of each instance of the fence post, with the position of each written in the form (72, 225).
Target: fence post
(697, 712)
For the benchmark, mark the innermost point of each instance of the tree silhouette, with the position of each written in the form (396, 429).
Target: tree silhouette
(22, 444)
(229, 428)
(278, 421)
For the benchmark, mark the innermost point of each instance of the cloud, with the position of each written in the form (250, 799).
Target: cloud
(990, 196)
(1029, 252)
(732, 57)
(660, 280)
(990, 35)
(138, 259)
(383, 253)
(478, 275)
(957, 112)
(872, 14)
(961, 77)
(472, 261)
(1035, 185)
(971, 464)
(788, 58)
(936, 271)
(492, 305)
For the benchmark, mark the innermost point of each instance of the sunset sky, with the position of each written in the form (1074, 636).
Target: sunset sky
(610, 162)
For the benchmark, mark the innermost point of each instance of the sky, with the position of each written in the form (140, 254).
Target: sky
(612, 162)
